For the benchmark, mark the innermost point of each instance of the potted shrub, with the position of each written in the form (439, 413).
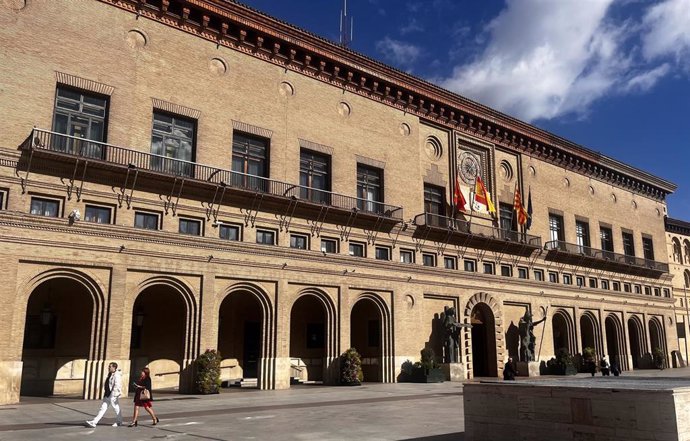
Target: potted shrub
(589, 364)
(659, 358)
(207, 368)
(351, 368)
(562, 364)
(427, 370)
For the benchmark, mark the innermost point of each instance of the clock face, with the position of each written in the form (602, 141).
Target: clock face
(468, 168)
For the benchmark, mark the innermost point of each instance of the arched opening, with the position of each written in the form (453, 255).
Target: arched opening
(656, 337)
(562, 332)
(637, 346)
(240, 325)
(484, 362)
(677, 256)
(614, 340)
(308, 340)
(686, 249)
(366, 326)
(159, 331)
(57, 339)
(588, 333)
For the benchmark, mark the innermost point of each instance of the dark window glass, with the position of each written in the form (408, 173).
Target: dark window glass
(249, 160)
(604, 284)
(172, 140)
(266, 237)
(657, 292)
(428, 260)
(99, 215)
(434, 200)
(489, 268)
(2, 200)
(506, 270)
(298, 241)
(567, 279)
(627, 287)
(628, 244)
(582, 234)
(647, 291)
(680, 329)
(314, 176)
(230, 232)
(539, 275)
(606, 239)
(553, 277)
(470, 266)
(406, 256)
(616, 286)
(450, 262)
(329, 246)
(523, 273)
(82, 116)
(45, 207)
(190, 226)
(638, 289)
(648, 248)
(508, 221)
(369, 188)
(147, 221)
(580, 281)
(383, 253)
(356, 249)
(592, 283)
(556, 227)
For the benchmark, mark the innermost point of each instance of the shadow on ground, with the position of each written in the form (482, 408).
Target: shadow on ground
(457, 436)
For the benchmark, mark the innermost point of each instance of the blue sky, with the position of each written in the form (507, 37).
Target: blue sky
(612, 75)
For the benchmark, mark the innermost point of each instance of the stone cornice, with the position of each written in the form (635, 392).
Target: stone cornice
(234, 25)
(677, 226)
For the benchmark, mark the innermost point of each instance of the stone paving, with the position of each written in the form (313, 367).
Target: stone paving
(404, 411)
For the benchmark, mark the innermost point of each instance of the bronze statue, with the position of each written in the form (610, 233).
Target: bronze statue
(527, 338)
(451, 327)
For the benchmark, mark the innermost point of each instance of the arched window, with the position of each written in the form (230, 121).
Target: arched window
(686, 275)
(686, 251)
(676, 251)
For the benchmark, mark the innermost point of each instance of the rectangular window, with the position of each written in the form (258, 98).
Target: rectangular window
(648, 248)
(406, 256)
(98, 214)
(489, 268)
(606, 240)
(3, 199)
(647, 291)
(266, 237)
(190, 226)
(627, 287)
(657, 292)
(507, 219)
(582, 235)
(315, 176)
(249, 161)
(628, 244)
(506, 271)
(357, 249)
(638, 289)
(580, 281)
(667, 293)
(592, 282)
(383, 253)
(83, 116)
(556, 227)
(539, 275)
(470, 265)
(434, 200)
(329, 246)
(680, 329)
(523, 273)
(616, 286)
(172, 140)
(450, 262)
(553, 277)
(299, 241)
(147, 221)
(369, 188)
(45, 207)
(567, 279)
(428, 259)
(230, 232)
(604, 284)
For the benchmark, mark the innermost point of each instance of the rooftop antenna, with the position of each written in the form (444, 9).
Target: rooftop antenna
(347, 24)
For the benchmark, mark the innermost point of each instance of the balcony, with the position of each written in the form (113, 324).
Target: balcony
(68, 156)
(463, 233)
(579, 255)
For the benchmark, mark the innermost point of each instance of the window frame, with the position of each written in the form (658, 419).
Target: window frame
(567, 279)
(429, 203)
(302, 236)
(508, 273)
(605, 284)
(553, 277)
(189, 219)
(452, 259)
(523, 270)
(177, 165)
(230, 226)
(580, 281)
(593, 282)
(70, 114)
(243, 150)
(59, 212)
(359, 245)
(364, 172)
(434, 263)
(4, 198)
(628, 240)
(648, 247)
(335, 242)
(265, 231)
(539, 275)
(490, 265)
(411, 253)
(111, 212)
(388, 250)
(307, 190)
(469, 262)
(557, 226)
(159, 219)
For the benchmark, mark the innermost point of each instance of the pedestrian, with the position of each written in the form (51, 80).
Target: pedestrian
(112, 390)
(604, 365)
(615, 369)
(509, 371)
(143, 397)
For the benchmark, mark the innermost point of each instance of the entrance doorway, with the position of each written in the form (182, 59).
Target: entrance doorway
(636, 342)
(307, 339)
(240, 324)
(484, 363)
(365, 336)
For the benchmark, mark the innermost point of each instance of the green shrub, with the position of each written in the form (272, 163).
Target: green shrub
(207, 368)
(428, 359)
(351, 367)
(589, 353)
(659, 357)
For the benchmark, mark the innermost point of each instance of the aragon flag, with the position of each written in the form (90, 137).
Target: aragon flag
(519, 208)
(458, 198)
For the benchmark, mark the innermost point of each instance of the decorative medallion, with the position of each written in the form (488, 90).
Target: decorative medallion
(468, 168)
(217, 66)
(433, 148)
(344, 109)
(410, 301)
(404, 129)
(286, 89)
(136, 39)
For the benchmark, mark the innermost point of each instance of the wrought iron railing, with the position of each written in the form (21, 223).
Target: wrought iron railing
(488, 231)
(608, 256)
(44, 140)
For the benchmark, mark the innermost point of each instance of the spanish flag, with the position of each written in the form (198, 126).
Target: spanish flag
(482, 197)
(458, 198)
(519, 208)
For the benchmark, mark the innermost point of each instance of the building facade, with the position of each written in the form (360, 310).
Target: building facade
(678, 242)
(177, 175)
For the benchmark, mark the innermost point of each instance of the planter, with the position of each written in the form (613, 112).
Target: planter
(421, 375)
(559, 370)
(350, 383)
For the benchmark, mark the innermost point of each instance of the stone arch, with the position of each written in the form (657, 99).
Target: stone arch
(387, 344)
(494, 306)
(95, 363)
(191, 349)
(615, 341)
(686, 278)
(686, 251)
(590, 333)
(563, 330)
(267, 362)
(677, 255)
(637, 341)
(657, 336)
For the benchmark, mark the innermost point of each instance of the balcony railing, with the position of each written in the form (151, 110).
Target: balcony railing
(606, 258)
(459, 231)
(93, 151)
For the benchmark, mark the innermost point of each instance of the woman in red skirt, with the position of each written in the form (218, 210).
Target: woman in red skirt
(143, 397)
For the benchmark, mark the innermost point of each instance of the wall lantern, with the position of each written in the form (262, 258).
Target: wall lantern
(139, 318)
(46, 315)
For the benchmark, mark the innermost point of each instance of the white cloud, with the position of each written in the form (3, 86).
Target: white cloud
(398, 52)
(412, 26)
(646, 80)
(668, 30)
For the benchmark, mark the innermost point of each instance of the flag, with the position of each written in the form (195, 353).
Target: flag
(482, 197)
(458, 198)
(528, 225)
(519, 208)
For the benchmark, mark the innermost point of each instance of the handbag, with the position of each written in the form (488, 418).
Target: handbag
(144, 395)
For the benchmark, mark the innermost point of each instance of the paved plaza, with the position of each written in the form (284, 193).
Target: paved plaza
(370, 412)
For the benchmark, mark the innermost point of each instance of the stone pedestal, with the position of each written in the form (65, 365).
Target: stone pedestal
(528, 369)
(10, 381)
(454, 371)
